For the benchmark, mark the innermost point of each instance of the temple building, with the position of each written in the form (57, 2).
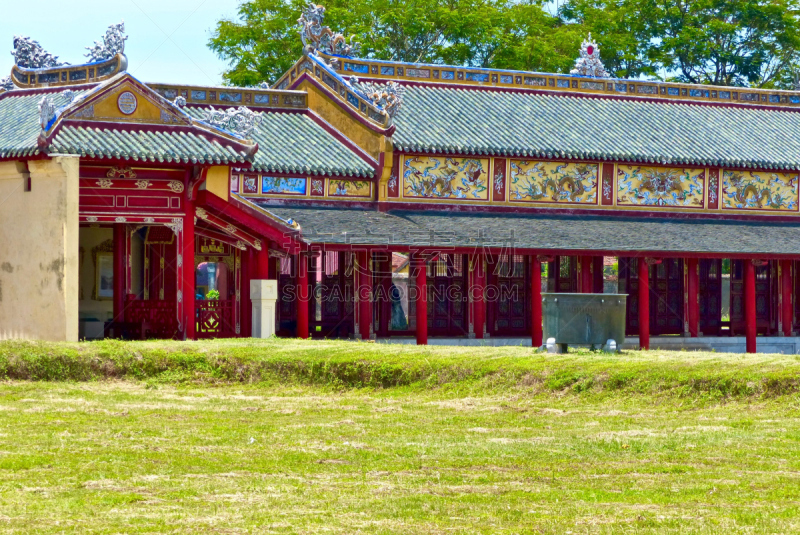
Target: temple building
(397, 201)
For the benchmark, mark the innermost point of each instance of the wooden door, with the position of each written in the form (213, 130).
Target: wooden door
(332, 312)
(287, 302)
(666, 295)
(710, 296)
(766, 298)
(562, 275)
(447, 296)
(508, 307)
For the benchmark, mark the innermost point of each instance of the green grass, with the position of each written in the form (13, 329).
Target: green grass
(337, 437)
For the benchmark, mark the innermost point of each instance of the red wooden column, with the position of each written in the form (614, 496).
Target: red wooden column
(692, 291)
(302, 295)
(477, 293)
(385, 285)
(586, 282)
(536, 301)
(120, 270)
(187, 286)
(421, 277)
(364, 295)
(750, 305)
(786, 297)
(261, 268)
(644, 304)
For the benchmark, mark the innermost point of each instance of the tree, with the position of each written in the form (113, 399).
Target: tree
(263, 43)
(718, 42)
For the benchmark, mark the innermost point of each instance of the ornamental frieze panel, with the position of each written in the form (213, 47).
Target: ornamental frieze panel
(283, 185)
(439, 177)
(759, 190)
(553, 182)
(349, 188)
(660, 186)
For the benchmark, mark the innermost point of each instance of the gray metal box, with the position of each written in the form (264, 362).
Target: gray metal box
(584, 319)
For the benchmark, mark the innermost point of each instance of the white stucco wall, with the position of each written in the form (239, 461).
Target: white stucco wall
(39, 250)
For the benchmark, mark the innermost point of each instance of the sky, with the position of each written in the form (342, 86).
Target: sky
(166, 38)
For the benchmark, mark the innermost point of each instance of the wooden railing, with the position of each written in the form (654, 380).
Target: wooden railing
(215, 318)
(150, 318)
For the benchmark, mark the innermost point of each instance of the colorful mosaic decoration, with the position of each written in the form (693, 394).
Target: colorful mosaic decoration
(446, 178)
(660, 186)
(553, 182)
(283, 186)
(349, 188)
(759, 190)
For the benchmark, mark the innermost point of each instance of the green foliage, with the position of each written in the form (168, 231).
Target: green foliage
(720, 42)
(212, 294)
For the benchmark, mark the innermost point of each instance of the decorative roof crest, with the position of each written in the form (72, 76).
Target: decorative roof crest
(317, 37)
(47, 111)
(589, 64)
(6, 84)
(29, 54)
(113, 44)
(388, 97)
(241, 121)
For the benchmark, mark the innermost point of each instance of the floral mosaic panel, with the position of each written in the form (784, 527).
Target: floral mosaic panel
(283, 186)
(759, 190)
(660, 186)
(553, 182)
(446, 178)
(349, 188)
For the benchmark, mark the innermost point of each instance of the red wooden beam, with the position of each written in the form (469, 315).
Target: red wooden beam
(419, 269)
(303, 296)
(478, 301)
(693, 288)
(536, 301)
(786, 297)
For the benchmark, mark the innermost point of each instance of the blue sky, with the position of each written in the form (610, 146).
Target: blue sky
(166, 38)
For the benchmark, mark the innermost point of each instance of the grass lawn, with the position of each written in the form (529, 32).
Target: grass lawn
(338, 437)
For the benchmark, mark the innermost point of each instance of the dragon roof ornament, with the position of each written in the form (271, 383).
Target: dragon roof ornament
(241, 121)
(388, 97)
(29, 54)
(317, 37)
(113, 43)
(47, 111)
(589, 64)
(6, 84)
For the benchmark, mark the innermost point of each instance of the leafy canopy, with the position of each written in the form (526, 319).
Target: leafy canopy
(723, 42)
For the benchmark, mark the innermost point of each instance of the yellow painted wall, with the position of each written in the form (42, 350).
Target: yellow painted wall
(39, 250)
(217, 180)
(370, 141)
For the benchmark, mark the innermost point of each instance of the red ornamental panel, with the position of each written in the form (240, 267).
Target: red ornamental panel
(210, 247)
(499, 186)
(249, 184)
(607, 188)
(713, 189)
(317, 187)
(215, 319)
(393, 186)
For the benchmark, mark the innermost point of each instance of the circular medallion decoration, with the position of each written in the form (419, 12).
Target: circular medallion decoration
(127, 103)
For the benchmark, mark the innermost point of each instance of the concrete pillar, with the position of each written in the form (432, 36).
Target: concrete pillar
(787, 316)
(536, 302)
(263, 296)
(750, 305)
(692, 293)
(644, 304)
(419, 269)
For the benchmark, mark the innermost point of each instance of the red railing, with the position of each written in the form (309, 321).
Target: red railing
(152, 318)
(215, 318)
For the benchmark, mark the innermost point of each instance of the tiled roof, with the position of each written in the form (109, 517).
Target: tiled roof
(491, 122)
(294, 143)
(442, 229)
(180, 145)
(19, 124)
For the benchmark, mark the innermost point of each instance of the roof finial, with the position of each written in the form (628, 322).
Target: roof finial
(113, 44)
(29, 54)
(317, 37)
(589, 64)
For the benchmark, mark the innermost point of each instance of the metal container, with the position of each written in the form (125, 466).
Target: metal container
(584, 319)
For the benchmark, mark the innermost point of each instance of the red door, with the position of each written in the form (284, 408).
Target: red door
(562, 275)
(710, 296)
(332, 312)
(447, 296)
(766, 298)
(508, 305)
(666, 295)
